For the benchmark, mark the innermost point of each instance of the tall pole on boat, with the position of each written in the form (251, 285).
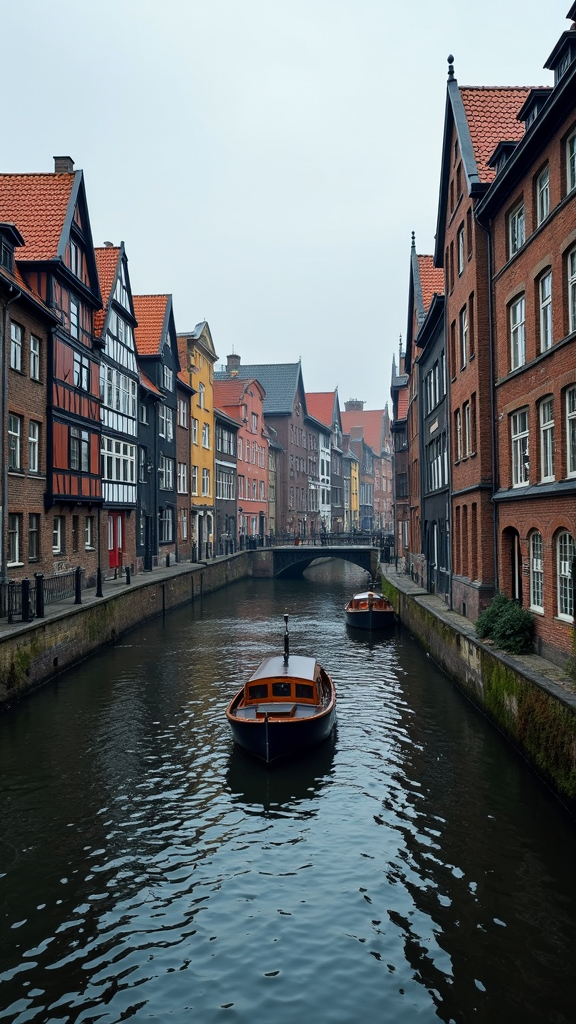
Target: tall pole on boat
(286, 641)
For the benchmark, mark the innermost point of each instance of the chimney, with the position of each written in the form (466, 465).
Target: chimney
(63, 165)
(233, 364)
(354, 405)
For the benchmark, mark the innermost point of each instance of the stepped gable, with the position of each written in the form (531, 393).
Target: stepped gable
(492, 117)
(150, 312)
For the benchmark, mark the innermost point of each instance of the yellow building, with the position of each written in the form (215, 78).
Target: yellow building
(197, 358)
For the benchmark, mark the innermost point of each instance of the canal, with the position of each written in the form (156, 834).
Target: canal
(411, 869)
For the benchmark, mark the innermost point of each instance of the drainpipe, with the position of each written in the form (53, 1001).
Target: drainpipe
(4, 425)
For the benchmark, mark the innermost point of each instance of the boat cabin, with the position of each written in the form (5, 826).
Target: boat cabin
(277, 688)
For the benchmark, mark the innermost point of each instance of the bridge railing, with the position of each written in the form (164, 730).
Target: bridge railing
(357, 538)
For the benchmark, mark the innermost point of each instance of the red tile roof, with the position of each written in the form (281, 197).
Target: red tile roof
(147, 383)
(320, 405)
(149, 311)
(491, 114)
(230, 392)
(37, 204)
(371, 421)
(431, 280)
(107, 265)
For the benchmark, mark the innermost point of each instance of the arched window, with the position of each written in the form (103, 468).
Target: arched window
(565, 553)
(536, 572)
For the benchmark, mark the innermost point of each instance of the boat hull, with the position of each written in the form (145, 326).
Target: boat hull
(369, 619)
(270, 739)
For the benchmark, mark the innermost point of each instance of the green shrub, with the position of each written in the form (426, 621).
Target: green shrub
(513, 629)
(489, 617)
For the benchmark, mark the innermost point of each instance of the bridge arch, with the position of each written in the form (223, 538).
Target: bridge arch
(292, 561)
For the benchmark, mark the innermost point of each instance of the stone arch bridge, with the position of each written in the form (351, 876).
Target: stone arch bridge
(292, 560)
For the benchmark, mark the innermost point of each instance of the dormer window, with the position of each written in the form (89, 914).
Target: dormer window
(6, 256)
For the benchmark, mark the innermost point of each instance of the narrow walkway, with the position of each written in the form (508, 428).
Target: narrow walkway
(545, 673)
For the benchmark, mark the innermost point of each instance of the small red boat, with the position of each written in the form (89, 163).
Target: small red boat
(287, 706)
(369, 610)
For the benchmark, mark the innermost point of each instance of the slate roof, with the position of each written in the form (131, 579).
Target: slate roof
(431, 280)
(492, 116)
(372, 423)
(320, 405)
(150, 312)
(279, 380)
(107, 266)
(37, 204)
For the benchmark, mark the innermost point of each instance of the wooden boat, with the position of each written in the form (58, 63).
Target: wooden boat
(369, 610)
(287, 706)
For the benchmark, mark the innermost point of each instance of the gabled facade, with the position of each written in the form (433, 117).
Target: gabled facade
(158, 360)
(198, 356)
(243, 401)
(184, 395)
(530, 213)
(115, 325)
(399, 431)
(226, 468)
(325, 407)
(285, 411)
(57, 265)
(374, 427)
(476, 120)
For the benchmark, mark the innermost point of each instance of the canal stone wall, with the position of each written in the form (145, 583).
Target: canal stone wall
(520, 695)
(33, 653)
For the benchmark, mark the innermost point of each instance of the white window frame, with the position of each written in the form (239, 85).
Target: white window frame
(89, 533)
(35, 348)
(118, 460)
(543, 195)
(206, 435)
(166, 528)
(194, 481)
(520, 436)
(458, 433)
(14, 442)
(467, 417)
(517, 228)
(195, 431)
(518, 332)
(546, 414)
(182, 478)
(571, 431)
(15, 347)
(571, 270)
(460, 248)
(184, 523)
(545, 297)
(571, 162)
(15, 538)
(536, 572)
(205, 483)
(464, 332)
(182, 413)
(58, 532)
(564, 590)
(33, 446)
(201, 395)
(74, 317)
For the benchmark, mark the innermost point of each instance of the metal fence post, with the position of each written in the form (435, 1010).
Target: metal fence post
(78, 585)
(128, 579)
(39, 577)
(26, 616)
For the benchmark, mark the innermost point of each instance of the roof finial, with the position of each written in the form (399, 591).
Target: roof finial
(413, 240)
(450, 66)
(400, 346)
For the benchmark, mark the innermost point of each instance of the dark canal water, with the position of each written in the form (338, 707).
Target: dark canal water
(412, 870)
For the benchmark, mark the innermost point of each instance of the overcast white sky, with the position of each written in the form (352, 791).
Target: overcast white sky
(263, 160)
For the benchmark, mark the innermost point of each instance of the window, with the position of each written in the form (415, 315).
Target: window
(461, 249)
(201, 395)
(75, 259)
(547, 439)
(545, 291)
(89, 532)
(143, 413)
(33, 537)
(79, 450)
(205, 482)
(225, 483)
(520, 450)
(205, 435)
(74, 316)
(516, 226)
(141, 465)
(165, 474)
(33, 447)
(254, 423)
(81, 371)
(463, 337)
(58, 535)
(15, 346)
(518, 333)
(469, 233)
(168, 378)
(34, 357)
(471, 341)
(195, 431)
(165, 422)
(543, 195)
(571, 162)
(536, 572)
(182, 478)
(194, 480)
(14, 442)
(165, 520)
(118, 461)
(14, 538)
(467, 429)
(184, 523)
(572, 291)
(565, 552)
(182, 413)
(571, 431)
(458, 433)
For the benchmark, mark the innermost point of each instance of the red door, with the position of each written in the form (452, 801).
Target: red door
(115, 539)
